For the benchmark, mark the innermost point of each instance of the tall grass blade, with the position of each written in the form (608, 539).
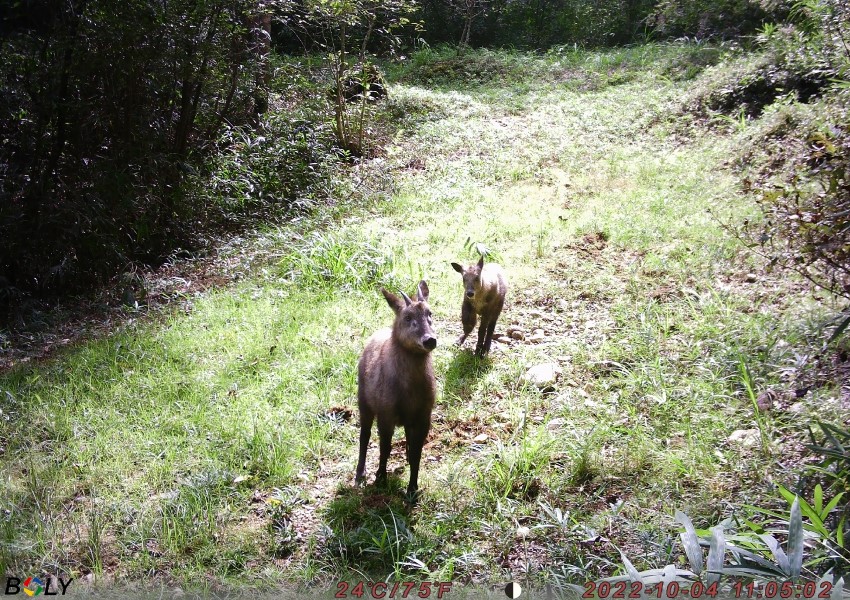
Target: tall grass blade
(795, 540)
(634, 575)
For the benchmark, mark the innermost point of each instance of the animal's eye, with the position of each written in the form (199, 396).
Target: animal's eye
(408, 319)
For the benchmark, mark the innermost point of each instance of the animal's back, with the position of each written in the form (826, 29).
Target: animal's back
(494, 284)
(371, 367)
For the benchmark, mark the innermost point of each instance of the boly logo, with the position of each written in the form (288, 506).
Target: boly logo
(35, 586)
(32, 586)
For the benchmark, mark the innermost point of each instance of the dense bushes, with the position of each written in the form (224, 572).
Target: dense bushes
(712, 18)
(534, 25)
(807, 216)
(106, 106)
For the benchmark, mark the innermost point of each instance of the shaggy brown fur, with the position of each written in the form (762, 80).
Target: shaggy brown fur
(396, 383)
(485, 287)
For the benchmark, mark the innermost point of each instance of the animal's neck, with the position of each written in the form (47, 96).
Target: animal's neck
(403, 354)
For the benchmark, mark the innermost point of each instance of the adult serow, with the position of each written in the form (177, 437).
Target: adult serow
(396, 383)
(484, 287)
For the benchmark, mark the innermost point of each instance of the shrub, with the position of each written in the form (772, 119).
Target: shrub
(806, 224)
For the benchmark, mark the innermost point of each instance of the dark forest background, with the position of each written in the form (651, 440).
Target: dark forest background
(112, 112)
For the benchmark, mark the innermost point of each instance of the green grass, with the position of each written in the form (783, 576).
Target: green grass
(212, 443)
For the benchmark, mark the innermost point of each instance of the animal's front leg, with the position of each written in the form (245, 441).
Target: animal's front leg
(480, 349)
(416, 435)
(366, 419)
(385, 435)
(468, 319)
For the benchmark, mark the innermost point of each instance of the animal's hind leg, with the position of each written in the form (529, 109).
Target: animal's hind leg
(366, 419)
(385, 435)
(480, 349)
(491, 327)
(468, 319)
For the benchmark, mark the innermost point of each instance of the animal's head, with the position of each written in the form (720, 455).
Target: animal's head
(413, 326)
(471, 277)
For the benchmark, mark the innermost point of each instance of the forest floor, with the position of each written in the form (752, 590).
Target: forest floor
(211, 445)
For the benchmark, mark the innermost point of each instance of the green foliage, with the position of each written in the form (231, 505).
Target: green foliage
(107, 107)
(834, 449)
(709, 18)
(281, 164)
(338, 262)
(529, 24)
(751, 553)
(347, 28)
(806, 224)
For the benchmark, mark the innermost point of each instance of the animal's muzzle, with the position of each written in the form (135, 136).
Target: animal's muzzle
(470, 294)
(429, 343)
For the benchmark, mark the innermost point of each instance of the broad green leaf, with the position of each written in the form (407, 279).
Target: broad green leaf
(634, 575)
(832, 504)
(838, 590)
(795, 540)
(690, 542)
(818, 501)
(778, 553)
(716, 552)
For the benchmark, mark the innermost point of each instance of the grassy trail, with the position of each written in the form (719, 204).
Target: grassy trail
(218, 444)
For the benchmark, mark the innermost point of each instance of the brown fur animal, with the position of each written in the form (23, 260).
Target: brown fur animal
(396, 383)
(484, 289)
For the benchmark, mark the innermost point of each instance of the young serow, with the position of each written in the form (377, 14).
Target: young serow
(396, 383)
(484, 289)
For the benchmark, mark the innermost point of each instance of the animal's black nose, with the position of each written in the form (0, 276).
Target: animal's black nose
(430, 343)
(470, 294)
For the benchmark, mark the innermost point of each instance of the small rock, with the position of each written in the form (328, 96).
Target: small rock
(797, 408)
(751, 278)
(537, 332)
(503, 339)
(481, 438)
(517, 334)
(562, 304)
(555, 424)
(542, 376)
(745, 437)
(537, 336)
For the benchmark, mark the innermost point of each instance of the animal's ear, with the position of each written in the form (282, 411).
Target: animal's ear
(457, 268)
(396, 303)
(481, 261)
(422, 291)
